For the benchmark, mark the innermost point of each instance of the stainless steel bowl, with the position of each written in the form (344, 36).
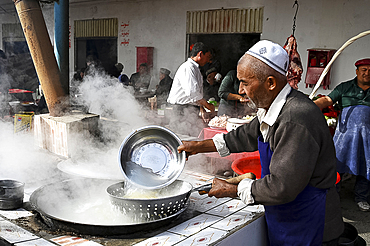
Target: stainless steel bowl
(11, 194)
(149, 159)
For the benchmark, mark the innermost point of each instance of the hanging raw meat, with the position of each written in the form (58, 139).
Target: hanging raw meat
(295, 69)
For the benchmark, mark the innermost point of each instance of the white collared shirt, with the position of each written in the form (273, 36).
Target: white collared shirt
(187, 86)
(267, 119)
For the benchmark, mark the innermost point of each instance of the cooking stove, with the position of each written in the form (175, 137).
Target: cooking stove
(206, 221)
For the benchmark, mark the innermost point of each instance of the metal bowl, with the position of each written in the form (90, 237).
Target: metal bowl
(149, 159)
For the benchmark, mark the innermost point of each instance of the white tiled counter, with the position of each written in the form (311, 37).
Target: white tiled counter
(212, 221)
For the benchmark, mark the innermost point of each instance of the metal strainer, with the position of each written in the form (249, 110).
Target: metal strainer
(168, 201)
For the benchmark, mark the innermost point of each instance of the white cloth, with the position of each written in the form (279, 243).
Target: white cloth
(220, 144)
(266, 120)
(244, 191)
(187, 86)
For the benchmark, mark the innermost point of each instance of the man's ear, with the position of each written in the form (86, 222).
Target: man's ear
(271, 82)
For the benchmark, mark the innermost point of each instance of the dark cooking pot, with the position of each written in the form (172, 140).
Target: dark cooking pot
(11, 194)
(350, 236)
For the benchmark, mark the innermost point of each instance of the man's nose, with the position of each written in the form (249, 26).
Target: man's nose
(241, 90)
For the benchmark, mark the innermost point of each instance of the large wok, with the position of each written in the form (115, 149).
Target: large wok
(84, 206)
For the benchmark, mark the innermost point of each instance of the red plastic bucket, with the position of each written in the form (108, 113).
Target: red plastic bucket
(252, 164)
(246, 165)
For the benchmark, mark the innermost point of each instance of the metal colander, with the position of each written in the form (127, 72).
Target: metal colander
(171, 200)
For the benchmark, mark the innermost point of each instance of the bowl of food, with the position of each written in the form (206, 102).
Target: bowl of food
(234, 123)
(218, 122)
(149, 159)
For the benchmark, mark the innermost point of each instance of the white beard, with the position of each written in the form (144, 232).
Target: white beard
(251, 104)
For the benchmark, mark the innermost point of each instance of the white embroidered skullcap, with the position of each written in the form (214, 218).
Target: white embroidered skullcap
(272, 54)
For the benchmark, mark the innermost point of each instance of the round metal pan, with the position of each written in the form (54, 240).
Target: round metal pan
(83, 206)
(149, 159)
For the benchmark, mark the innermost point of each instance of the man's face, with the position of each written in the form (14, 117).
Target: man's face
(142, 70)
(204, 58)
(161, 76)
(363, 74)
(256, 92)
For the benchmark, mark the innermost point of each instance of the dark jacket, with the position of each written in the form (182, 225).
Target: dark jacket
(303, 153)
(163, 89)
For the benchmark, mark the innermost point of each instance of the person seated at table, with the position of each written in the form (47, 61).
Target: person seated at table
(232, 103)
(122, 78)
(141, 79)
(164, 86)
(211, 84)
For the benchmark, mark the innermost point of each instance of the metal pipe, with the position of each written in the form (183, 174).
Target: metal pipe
(35, 31)
(61, 41)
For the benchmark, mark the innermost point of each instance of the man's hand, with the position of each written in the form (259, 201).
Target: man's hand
(210, 107)
(189, 147)
(203, 103)
(195, 147)
(207, 116)
(243, 99)
(221, 188)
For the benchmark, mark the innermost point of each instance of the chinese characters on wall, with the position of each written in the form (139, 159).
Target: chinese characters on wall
(124, 33)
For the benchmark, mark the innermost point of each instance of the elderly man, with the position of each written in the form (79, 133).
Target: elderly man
(141, 79)
(164, 86)
(352, 135)
(297, 185)
(186, 94)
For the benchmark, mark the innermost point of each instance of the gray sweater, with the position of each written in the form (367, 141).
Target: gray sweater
(303, 153)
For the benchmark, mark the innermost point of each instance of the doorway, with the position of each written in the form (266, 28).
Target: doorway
(103, 49)
(228, 48)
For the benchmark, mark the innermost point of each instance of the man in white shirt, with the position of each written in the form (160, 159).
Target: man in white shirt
(186, 94)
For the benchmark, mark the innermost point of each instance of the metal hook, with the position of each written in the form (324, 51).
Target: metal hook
(295, 15)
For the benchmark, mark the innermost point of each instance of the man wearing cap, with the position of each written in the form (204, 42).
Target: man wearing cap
(298, 163)
(164, 86)
(352, 135)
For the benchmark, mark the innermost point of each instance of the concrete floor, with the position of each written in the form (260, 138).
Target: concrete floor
(350, 211)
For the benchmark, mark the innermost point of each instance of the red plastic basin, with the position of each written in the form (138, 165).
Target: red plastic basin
(246, 165)
(252, 164)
